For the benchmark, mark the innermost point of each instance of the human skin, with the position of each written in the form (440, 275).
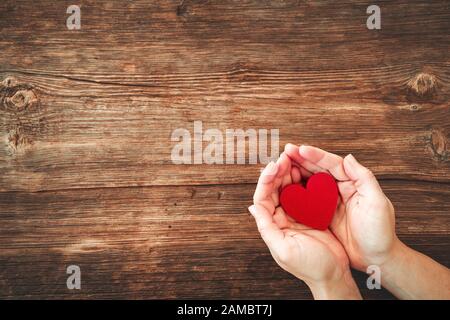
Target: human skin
(316, 257)
(364, 223)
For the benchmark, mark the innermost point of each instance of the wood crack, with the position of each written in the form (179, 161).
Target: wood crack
(193, 192)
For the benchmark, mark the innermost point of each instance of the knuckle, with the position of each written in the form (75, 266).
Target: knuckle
(368, 174)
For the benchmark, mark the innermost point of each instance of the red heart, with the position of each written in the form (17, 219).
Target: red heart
(313, 206)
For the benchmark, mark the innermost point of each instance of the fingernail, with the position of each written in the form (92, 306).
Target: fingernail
(288, 145)
(252, 209)
(280, 158)
(352, 159)
(270, 169)
(301, 148)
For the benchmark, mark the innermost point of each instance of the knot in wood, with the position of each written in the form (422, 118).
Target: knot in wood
(9, 82)
(22, 99)
(16, 97)
(17, 139)
(182, 10)
(439, 144)
(423, 84)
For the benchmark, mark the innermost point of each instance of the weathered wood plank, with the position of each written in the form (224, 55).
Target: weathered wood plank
(107, 100)
(96, 107)
(76, 135)
(166, 242)
(86, 118)
(166, 37)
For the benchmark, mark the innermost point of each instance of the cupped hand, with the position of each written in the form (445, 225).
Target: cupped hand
(313, 256)
(364, 221)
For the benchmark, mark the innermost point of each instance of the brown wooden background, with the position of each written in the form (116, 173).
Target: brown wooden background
(86, 118)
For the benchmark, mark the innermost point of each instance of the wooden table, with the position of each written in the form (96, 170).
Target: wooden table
(86, 176)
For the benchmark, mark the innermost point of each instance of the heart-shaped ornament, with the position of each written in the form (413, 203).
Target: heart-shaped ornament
(313, 206)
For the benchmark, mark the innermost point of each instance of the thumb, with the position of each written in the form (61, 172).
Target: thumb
(270, 233)
(365, 182)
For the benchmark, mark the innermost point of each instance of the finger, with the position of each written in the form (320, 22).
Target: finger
(288, 217)
(364, 181)
(284, 164)
(326, 160)
(276, 184)
(293, 152)
(275, 197)
(282, 219)
(305, 173)
(269, 173)
(296, 176)
(264, 188)
(282, 178)
(346, 189)
(272, 235)
(312, 167)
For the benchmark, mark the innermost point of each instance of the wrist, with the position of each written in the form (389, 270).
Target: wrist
(400, 256)
(398, 252)
(384, 259)
(342, 288)
(408, 274)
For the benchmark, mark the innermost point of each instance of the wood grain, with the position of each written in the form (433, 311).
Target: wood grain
(122, 138)
(86, 118)
(167, 242)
